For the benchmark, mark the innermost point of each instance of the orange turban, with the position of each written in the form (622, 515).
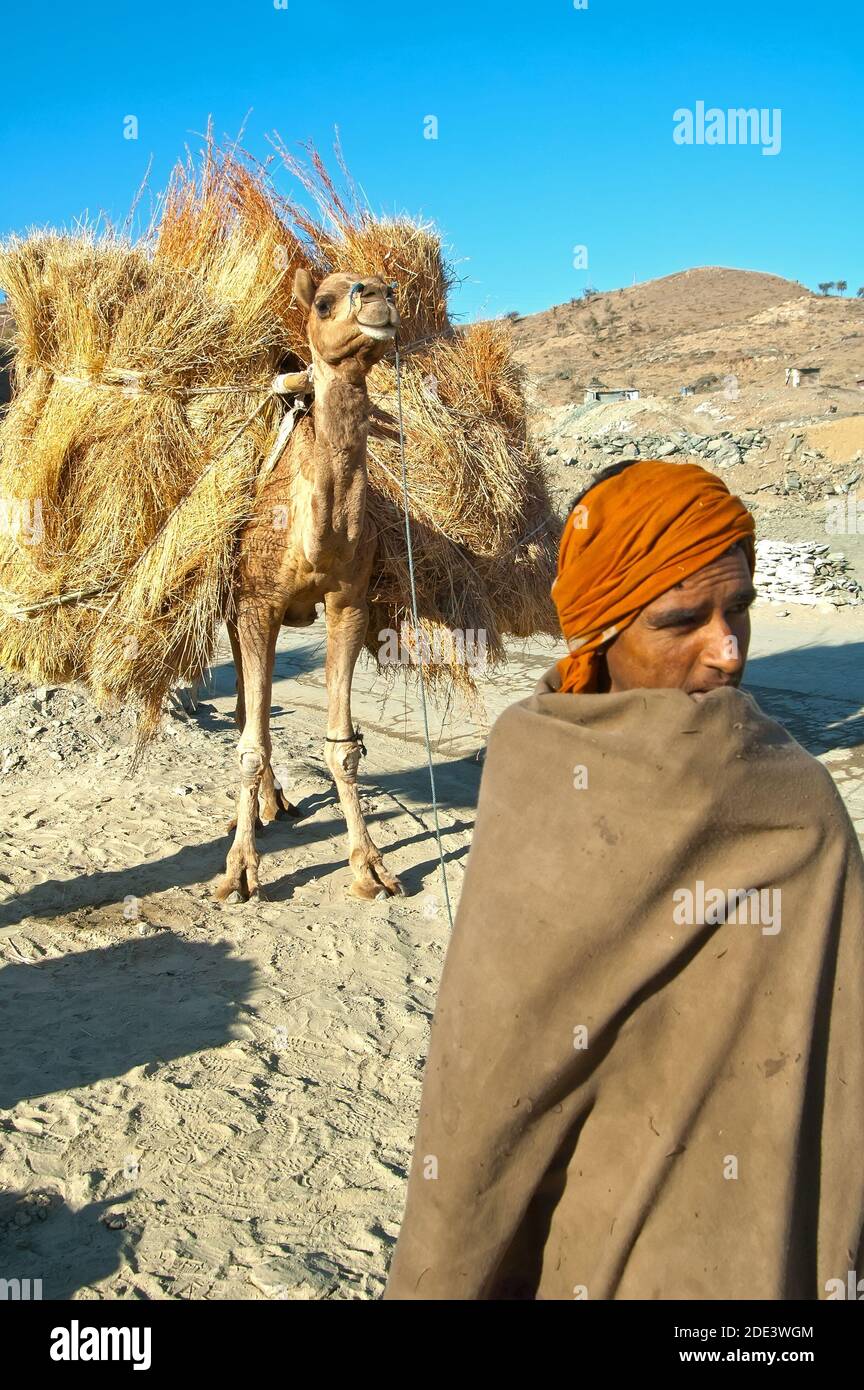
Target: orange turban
(628, 541)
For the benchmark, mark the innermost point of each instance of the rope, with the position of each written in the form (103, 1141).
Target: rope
(132, 381)
(134, 384)
(416, 617)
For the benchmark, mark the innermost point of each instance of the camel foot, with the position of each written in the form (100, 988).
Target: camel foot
(374, 880)
(240, 876)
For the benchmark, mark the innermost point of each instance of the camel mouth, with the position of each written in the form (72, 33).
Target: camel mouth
(374, 330)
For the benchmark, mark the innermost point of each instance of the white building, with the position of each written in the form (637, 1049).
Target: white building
(601, 395)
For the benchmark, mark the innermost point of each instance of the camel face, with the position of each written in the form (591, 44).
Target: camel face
(349, 316)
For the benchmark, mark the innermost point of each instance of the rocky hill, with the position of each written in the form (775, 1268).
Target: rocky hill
(691, 329)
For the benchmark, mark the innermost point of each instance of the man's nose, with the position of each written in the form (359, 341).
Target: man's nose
(723, 650)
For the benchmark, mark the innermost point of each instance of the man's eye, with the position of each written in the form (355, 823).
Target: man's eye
(684, 624)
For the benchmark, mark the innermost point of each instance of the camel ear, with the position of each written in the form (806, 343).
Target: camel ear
(304, 288)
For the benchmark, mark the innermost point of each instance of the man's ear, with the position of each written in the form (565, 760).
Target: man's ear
(304, 288)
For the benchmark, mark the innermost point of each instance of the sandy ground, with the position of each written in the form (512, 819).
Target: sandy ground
(217, 1101)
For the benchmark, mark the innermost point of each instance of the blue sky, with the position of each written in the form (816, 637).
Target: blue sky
(554, 124)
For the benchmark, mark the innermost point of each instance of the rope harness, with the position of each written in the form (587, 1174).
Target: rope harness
(356, 737)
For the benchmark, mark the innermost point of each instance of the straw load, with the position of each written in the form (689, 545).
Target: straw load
(142, 414)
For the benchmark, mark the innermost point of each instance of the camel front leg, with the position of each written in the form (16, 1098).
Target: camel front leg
(256, 633)
(273, 804)
(346, 629)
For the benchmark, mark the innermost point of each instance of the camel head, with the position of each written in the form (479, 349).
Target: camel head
(351, 317)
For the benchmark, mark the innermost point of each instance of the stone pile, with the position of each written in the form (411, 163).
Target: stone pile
(813, 489)
(722, 450)
(805, 572)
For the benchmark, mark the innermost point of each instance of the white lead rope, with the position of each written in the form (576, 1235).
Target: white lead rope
(417, 631)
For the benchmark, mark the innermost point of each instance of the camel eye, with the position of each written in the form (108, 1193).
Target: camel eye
(323, 306)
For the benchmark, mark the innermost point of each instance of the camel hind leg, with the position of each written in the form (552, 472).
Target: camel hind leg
(257, 629)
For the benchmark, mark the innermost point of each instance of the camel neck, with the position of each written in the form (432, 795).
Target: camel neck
(341, 422)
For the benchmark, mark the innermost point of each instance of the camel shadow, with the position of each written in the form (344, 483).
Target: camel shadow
(197, 864)
(74, 1019)
(186, 867)
(283, 889)
(457, 784)
(48, 1251)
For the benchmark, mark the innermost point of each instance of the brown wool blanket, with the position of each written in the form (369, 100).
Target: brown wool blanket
(646, 1073)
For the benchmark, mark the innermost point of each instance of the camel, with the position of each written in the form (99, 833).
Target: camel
(323, 554)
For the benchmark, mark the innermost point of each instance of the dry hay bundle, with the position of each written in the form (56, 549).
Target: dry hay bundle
(484, 539)
(141, 418)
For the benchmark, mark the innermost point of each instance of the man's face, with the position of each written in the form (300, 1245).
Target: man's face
(695, 637)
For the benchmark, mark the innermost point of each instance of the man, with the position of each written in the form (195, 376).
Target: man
(646, 1072)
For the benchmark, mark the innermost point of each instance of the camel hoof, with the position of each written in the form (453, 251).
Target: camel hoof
(364, 891)
(227, 890)
(239, 882)
(374, 885)
(390, 885)
(286, 807)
